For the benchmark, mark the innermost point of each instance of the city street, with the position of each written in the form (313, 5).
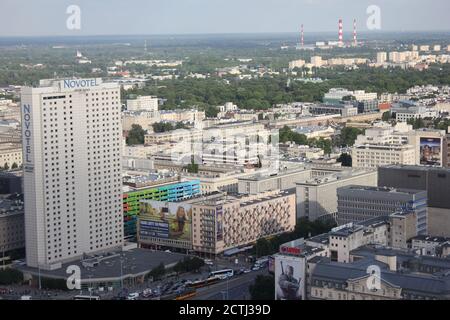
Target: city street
(235, 288)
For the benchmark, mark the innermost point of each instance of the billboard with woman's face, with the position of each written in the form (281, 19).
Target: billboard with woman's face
(166, 220)
(431, 151)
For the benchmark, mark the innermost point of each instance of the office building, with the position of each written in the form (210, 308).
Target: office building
(10, 155)
(431, 246)
(193, 135)
(381, 57)
(436, 181)
(406, 110)
(238, 143)
(145, 119)
(225, 223)
(225, 181)
(317, 197)
(12, 225)
(344, 110)
(143, 103)
(367, 106)
(336, 95)
(72, 170)
(284, 179)
(296, 64)
(384, 145)
(361, 203)
(214, 223)
(375, 155)
(11, 182)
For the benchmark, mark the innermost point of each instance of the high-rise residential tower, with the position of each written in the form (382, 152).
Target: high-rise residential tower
(72, 137)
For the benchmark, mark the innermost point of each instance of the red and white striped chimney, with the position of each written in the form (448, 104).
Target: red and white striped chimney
(341, 32)
(355, 39)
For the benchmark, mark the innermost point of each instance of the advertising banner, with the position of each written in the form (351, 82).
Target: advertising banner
(166, 220)
(289, 278)
(430, 151)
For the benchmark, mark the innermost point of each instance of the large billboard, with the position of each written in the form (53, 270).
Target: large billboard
(167, 220)
(431, 151)
(289, 278)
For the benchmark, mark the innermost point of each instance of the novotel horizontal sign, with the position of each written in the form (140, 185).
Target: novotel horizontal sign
(80, 83)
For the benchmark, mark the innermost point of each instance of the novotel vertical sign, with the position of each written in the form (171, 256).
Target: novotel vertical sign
(79, 83)
(27, 138)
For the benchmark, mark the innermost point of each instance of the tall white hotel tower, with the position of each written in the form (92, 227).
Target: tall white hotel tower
(72, 137)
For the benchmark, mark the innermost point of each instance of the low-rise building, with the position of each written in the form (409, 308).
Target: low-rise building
(379, 274)
(293, 150)
(375, 155)
(10, 155)
(180, 135)
(406, 110)
(12, 225)
(345, 110)
(147, 103)
(430, 246)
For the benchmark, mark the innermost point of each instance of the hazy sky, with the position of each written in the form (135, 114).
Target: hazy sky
(117, 17)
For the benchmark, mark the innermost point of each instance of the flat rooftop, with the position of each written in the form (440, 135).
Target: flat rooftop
(386, 190)
(135, 262)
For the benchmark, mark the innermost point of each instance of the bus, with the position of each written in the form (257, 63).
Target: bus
(81, 297)
(203, 283)
(222, 274)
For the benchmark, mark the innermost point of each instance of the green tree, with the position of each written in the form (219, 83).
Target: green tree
(189, 264)
(263, 247)
(158, 272)
(345, 159)
(6, 166)
(159, 127)
(386, 116)
(53, 284)
(192, 167)
(417, 123)
(14, 166)
(263, 288)
(10, 276)
(136, 135)
(211, 112)
(349, 135)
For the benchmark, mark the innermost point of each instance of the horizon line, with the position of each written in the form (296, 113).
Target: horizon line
(219, 33)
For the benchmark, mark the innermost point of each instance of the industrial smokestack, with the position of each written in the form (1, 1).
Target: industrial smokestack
(355, 40)
(302, 39)
(341, 33)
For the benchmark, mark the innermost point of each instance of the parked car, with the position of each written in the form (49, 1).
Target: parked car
(133, 296)
(209, 262)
